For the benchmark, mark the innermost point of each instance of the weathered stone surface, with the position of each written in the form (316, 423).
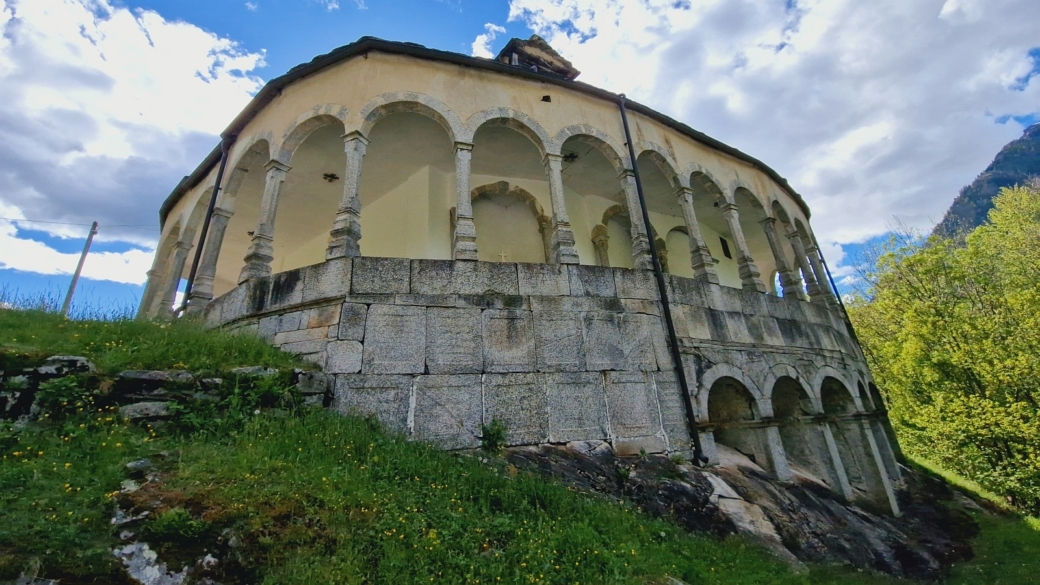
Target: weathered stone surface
(301, 335)
(635, 284)
(328, 280)
(153, 378)
(673, 411)
(477, 278)
(141, 410)
(274, 324)
(632, 409)
(310, 346)
(426, 300)
(371, 275)
(448, 410)
(352, 318)
(509, 344)
(685, 291)
(286, 289)
(61, 365)
(499, 302)
(638, 336)
(543, 279)
(343, 357)
(603, 347)
(395, 340)
(577, 406)
(385, 397)
(519, 401)
(560, 343)
(320, 317)
(432, 277)
(254, 371)
(591, 281)
(454, 341)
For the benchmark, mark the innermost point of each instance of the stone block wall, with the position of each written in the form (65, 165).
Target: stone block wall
(558, 353)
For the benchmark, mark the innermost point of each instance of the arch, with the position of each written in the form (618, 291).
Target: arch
(596, 138)
(829, 372)
(735, 414)
(738, 185)
(502, 190)
(664, 161)
(702, 179)
(258, 150)
(777, 210)
(781, 370)
(724, 370)
(678, 255)
(196, 216)
(389, 103)
(303, 125)
(518, 121)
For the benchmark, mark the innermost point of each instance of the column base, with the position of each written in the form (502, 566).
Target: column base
(749, 276)
(562, 242)
(703, 266)
(464, 240)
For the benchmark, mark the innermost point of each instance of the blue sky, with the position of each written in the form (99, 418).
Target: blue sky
(876, 115)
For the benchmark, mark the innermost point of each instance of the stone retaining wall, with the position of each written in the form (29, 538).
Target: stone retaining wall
(557, 352)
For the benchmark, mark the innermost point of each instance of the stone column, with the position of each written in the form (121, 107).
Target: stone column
(261, 253)
(777, 455)
(844, 487)
(151, 288)
(563, 251)
(802, 260)
(464, 240)
(821, 275)
(202, 289)
(180, 256)
(792, 285)
(600, 241)
(346, 229)
(640, 241)
(875, 454)
(749, 274)
(700, 258)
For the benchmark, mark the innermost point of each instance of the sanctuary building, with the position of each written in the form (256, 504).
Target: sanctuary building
(457, 240)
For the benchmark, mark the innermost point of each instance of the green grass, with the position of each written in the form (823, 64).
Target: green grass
(27, 336)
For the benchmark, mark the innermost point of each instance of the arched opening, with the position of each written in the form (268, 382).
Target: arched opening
(678, 244)
(660, 184)
(502, 153)
(751, 213)
(309, 197)
(591, 187)
(803, 438)
(511, 226)
(733, 413)
(619, 234)
(407, 187)
(852, 443)
(707, 205)
(243, 192)
(783, 228)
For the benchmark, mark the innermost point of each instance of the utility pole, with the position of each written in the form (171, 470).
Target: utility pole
(79, 268)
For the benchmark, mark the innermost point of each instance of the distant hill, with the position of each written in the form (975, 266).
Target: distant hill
(1016, 163)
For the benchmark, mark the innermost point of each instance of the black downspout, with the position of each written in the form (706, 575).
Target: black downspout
(691, 415)
(225, 148)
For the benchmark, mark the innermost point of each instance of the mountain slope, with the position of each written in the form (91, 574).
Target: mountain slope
(1016, 163)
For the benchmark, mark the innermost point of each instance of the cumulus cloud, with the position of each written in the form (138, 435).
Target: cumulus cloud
(871, 110)
(251, 6)
(102, 109)
(482, 44)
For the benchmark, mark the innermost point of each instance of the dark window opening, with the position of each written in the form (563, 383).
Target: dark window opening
(725, 248)
(546, 98)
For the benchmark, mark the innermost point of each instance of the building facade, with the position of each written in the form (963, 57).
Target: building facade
(457, 240)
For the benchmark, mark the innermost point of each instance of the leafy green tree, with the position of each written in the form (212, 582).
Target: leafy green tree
(952, 334)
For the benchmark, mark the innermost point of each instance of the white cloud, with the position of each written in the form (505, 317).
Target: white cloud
(872, 110)
(102, 109)
(251, 6)
(482, 44)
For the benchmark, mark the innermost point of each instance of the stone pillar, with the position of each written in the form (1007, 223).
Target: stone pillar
(700, 258)
(875, 455)
(821, 275)
(600, 241)
(802, 260)
(792, 285)
(708, 447)
(180, 256)
(844, 488)
(464, 240)
(202, 289)
(261, 253)
(777, 455)
(749, 274)
(151, 288)
(640, 241)
(346, 228)
(563, 251)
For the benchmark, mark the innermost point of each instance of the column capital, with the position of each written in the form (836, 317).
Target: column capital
(182, 245)
(728, 206)
(682, 192)
(274, 165)
(355, 135)
(468, 146)
(154, 273)
(768, 222)
(626, 174)
(223, 212)
(549, 158)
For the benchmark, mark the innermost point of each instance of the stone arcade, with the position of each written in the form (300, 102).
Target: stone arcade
(456, 240)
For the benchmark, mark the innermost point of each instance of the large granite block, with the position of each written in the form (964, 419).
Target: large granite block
(235, 303)
(509, 344)
(286, 289)
(307, 347)
(559, 341)
(697, 322)
(273, 324)
(603, 346)
(426, 300)
(632, 413)
(395, 340)
(721, 298)
(476, 278)
(753, 302)
(325, 316)
(343, 357)
(718, 325)
(736, 326)
(328, 280)
(352, 318)
(385, 397)
(499, 302)
(543, 279)
(432, 277)
(372, 275)
(685, 291)
(763, 330)
(639, 335)
(673, 410)
(636, 284)
(448, 410)
(577, 407)
(591, 281)
(453, 341)
(519, 402)
(578, 304)
(301, 335)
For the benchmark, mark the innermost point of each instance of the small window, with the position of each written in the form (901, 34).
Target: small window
(546, 98)
(725, 248)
